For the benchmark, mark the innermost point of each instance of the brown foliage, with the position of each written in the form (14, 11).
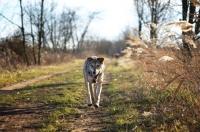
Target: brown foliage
(12, 54)
(177, 73)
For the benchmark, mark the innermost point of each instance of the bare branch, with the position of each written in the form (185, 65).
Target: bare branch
(10, 21)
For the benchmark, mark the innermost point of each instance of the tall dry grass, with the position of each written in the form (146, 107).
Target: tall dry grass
(182, 72)
(177, 74)
(173, 85)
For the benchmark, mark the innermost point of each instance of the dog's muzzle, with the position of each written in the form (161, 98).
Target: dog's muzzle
(93, 76)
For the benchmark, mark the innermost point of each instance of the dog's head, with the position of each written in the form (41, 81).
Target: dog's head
(95, 67)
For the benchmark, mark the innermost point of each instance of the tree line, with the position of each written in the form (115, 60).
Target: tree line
(43, 28)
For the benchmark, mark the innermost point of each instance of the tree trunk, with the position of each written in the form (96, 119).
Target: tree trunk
(23, 34)
(33, 48)
(192, 13)
(186, 47)
(140, 13)
(153, 33)
(197, 24)
(139, 28)
(33, 41)
(40, 34)
(184, 9)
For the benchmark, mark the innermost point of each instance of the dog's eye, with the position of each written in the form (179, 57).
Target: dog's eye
(92, 66)
(98, 65)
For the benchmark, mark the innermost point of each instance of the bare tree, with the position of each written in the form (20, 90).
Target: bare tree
(62, 30)
(52, 27)
(139, 4)
(70, 29)
(43, 23)
(23, 34)
(29, 12)
(185, 6)
(152, 12)
(40, 31)
(67, 27)
(158, 12)
(22, 29)
(73, 28)
(37, 20)
(91, 18)
(190, 14)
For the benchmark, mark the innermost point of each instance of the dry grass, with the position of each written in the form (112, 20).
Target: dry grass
(177, 73)
(174, 84)
(181, 72)
(173, 87)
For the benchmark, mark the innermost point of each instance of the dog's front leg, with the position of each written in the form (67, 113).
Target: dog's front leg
(89, 94)
(92, 92)
(98, 93)
(98, 89)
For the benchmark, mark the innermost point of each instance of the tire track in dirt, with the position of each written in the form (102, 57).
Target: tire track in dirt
(23, 117)
(26, 116)
(9, 89)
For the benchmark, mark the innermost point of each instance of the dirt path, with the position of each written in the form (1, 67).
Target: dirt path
(24, 117)
(8, 89)
(88, 120)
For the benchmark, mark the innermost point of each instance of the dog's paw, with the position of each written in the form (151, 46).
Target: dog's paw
(96, 106)
(89, 105)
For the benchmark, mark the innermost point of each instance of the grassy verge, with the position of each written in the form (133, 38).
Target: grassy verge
(132, 106)
(62, 94)
(7, 77)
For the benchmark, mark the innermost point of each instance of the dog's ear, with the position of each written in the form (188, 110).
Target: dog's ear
(100, 59)
(89, 59)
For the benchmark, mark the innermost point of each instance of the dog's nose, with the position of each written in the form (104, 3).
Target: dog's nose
(94, 72)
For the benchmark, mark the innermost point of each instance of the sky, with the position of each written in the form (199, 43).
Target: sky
(115, 15)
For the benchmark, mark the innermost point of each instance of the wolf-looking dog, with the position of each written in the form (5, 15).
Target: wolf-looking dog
(93, 74)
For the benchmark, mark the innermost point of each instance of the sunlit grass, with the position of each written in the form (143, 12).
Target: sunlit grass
(12, 77)
(63, 93)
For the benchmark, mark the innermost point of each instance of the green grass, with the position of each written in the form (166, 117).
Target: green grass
(8, 77)
(62, 94)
